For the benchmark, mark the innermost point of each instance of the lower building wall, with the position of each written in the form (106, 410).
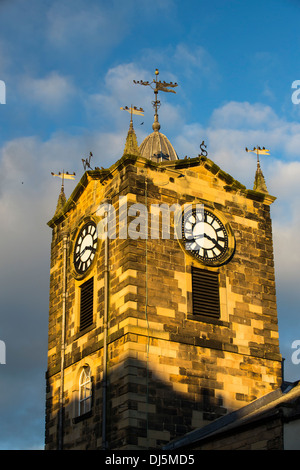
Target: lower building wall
(291, 432)
(158, 390)
(267, 436)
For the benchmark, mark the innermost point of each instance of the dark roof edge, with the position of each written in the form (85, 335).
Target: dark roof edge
(219, 424)
(231, 185)
(101, 175)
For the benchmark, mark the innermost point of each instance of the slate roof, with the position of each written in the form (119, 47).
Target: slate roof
(284, 402)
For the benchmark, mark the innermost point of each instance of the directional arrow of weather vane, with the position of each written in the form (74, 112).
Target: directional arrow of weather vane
(64, 175)
(156, 87)
(259, 151)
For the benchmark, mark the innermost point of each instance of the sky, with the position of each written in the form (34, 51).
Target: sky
(68, 66)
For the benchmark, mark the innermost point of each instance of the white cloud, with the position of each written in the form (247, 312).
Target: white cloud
(28, 191)
(285, 177)
(236, 125)
(118, 91)
(51, 92)
(243, 115)
(189, 139)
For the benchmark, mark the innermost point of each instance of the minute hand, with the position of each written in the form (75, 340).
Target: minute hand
(91, 248)
(80, 253)
(213, 240)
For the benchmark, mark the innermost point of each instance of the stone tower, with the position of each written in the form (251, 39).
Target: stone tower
(162, 301)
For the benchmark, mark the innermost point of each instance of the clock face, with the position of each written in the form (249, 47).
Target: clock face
(85, 247)
(205, 236)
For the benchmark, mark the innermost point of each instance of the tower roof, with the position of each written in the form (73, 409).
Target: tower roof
(259, 182)
(158, 148)
(131, 145)
(60, 202)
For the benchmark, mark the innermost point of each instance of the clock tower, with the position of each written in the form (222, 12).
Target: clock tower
(162, 300)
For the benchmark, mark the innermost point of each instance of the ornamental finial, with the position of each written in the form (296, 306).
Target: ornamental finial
(156, 87)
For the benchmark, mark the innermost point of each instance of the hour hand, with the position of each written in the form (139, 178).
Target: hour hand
(93, 250)
(80, 253)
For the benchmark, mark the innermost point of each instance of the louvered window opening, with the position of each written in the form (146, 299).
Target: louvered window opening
(205, 293)
(86, 304)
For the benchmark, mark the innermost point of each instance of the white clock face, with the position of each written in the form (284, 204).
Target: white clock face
(85, 247)
(205, 236)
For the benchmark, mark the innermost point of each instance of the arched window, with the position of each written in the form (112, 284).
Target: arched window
(85, 391)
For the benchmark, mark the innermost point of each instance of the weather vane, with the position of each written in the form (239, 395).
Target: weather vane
(64, 175)
(87, 162)
(203, 151)
(133, 110)
(259, 151)
(156, 87)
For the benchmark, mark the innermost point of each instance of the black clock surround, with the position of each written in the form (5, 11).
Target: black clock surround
(85, 247)
(206, 235)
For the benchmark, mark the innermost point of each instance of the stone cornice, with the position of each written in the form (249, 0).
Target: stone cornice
(175, 166)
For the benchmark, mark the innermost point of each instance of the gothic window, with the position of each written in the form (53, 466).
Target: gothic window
(85, 391)
(205, 293)
(86, 303)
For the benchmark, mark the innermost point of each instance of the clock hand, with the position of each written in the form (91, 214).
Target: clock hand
(201, 235)
(85, 248)
(217, 245)
(80, 253)
(213, 240)
(210, 239)
(91, 248)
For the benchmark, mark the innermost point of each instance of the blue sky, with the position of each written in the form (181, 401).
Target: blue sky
(69, 66)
